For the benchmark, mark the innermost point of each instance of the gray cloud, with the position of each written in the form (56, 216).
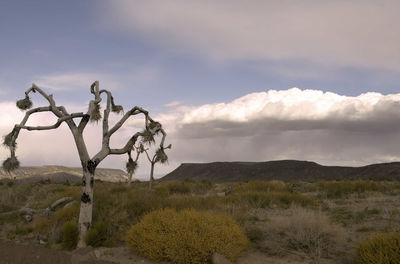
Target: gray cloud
(339, 33)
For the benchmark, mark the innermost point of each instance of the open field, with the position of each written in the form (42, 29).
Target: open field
(286, 222)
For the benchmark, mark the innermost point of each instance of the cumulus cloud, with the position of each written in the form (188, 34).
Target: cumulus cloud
(290, 124)
(339, 33)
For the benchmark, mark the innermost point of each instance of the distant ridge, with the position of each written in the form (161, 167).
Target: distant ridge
(281, 170)
(60, 174)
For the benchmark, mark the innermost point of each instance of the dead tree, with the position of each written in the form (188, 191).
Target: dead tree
(89, 164)
(159, 156)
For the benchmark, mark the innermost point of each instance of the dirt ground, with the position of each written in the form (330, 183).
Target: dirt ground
(24, 253)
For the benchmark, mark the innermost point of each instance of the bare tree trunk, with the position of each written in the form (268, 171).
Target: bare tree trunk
(86, 209)
(130, 179)
(151, 175)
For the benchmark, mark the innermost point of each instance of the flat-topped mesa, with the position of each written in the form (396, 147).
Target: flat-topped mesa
(281, 170)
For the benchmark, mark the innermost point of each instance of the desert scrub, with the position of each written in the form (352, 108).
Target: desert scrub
(187, 236)
(344, 188)
(382, 248)
(47, 225)
(70, 234)
(174, 187)
(257, 199)
(15, 196)
(97, 235)
(306, 231)
(180, 202)
(263, 186)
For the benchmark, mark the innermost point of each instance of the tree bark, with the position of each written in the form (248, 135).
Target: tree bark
(86, 209)
(130, 179)
(151, 175)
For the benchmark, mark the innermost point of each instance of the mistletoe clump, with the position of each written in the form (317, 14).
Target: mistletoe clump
(95, 116)
(10, 164)
(131, 166)
(24, 104)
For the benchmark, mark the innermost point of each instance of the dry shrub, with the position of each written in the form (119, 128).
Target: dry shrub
(257, 199)
(175, 187)
(382, 248)
(97, 235)
(263, 186)
(180, 202)
(304, 231)
(344, 188)
(187, 236)
(49, 225)
(70, 235)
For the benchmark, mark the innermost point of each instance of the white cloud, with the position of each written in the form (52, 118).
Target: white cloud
(293, 104)
(340, 33)
(73, 81)
(289, 124)
(69, 81)
(173, 104)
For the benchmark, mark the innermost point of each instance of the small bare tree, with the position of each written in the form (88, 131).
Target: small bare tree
(159, 156)
(132, 165)
(89, 164)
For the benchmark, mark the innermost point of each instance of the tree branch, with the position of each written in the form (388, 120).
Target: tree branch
(128, 146)
(57, 111)
(56, 125)
(148, 157)
(106, 140)
(134, 111)
(94, 89)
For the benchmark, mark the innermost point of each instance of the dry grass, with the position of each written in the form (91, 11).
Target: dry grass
(303, 231)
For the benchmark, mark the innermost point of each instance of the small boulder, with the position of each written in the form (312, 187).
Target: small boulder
(28, 218)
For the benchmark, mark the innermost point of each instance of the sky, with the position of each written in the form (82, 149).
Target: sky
(229, 80)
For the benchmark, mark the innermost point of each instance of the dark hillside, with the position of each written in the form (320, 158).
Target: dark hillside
(281, 170)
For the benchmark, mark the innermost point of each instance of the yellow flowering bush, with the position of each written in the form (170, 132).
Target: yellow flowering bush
(382, 248)
(187, 236)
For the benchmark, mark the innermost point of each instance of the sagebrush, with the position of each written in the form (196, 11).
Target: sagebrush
(187, 236)
(382, 248)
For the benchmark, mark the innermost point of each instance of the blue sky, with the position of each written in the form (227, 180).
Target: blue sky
(193, 54)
